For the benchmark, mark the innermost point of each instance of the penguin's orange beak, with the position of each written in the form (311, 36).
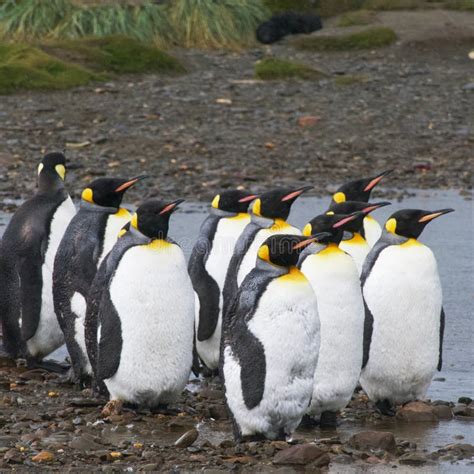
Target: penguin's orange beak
(376, 180)
(312, 239)
(294, 194)
(171, 206)
(249, 198)
(346, 219)
(371, 207)
(434, 215)
(128, 184)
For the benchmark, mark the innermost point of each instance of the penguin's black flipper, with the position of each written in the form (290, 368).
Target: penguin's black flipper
(204, 285)
(368, 330)
(441, 337)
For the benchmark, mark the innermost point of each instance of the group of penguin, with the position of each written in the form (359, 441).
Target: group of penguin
(292, 321)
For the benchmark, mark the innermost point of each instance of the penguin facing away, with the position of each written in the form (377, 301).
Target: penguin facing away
(208, 264)
(335, 280)
(146, 313)
(353, 241)
(403, 337)
(89, 237)
(268, 217)
(28, 248)
(270, 343)
(359, 190)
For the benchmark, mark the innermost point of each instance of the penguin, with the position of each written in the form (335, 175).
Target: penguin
(403, 337)
(335, 280)
(270, 343)
(207, 267)
(89, 237)
(268, 217)
(146, 313)
(27, 251)
(354, 242)
(360, 190)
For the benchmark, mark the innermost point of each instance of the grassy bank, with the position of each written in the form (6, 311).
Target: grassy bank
(53, 65)
(280, 69)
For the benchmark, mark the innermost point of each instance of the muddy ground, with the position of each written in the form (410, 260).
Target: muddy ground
(216, 127)
(49, 424)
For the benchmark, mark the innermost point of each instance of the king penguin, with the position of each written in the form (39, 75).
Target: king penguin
(335, 280)
(403, 337)
(270, 343)
(268, 217)
(208, 264)
(359, 190)
(354, 242)
(89, 237)
(28, 248)
(146, 313)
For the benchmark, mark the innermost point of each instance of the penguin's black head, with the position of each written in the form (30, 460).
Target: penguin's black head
(108, 192)
(53, 164)
(361, 208)
(233, 201)
(358, 190)
(152, 217)
(411, 222)
(284, 250)
(276, 204)
(332, 224)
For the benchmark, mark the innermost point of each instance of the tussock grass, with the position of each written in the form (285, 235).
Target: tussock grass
(208, 23)
(278, 6)
(278, 69)
(466, 5)
(350, 79)
(327, 8)
(360, 17)
(25, 67)
(394, 4)
(370, 38)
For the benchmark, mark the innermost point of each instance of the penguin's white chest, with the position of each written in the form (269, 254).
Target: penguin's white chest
(403, 293)
(115, 222)
(287, 325)
(48, 336)
(357, 248)
(372, 230)
(334, 278)
(154, 299)
(250, 258)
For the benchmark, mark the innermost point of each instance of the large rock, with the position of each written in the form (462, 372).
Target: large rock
(302, 454)
(443, 412)
(417, 411)
(413, 459)
(375, 440)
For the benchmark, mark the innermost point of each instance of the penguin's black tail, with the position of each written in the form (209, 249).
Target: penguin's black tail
(288, 23)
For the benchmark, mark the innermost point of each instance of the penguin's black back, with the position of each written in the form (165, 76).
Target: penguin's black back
(22, 253)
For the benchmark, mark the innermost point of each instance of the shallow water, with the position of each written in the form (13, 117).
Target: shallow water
(450, 237)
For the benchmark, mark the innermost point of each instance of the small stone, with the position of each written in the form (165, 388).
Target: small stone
(227, 443)
(342, 459)
(375, 440)
(417, 411)
(211, 394)
(443, 412)
(218, 412)
(43, 457)
(465, 400)
(113, 407)
(413, 459)
(85, 442)
(302, 454)
(187, 439)
(469, 86)
(279, 444)
(149, 467)
(308, 121)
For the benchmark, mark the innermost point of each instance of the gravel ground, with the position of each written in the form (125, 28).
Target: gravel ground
(216, 127)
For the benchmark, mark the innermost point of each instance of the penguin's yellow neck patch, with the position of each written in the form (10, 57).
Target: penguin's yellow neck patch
(307, 230)
(391, 225)
(122, 232)
(134, 221)
(279, 224)
(368, 217)
(256, 208)
(87, 195)
(122, 212)
(330, 251)
(215, 202)
(61, 170)
(159, 244)
(411, 243)
(293, 276)
(264, 253)
(339, 197)
(240, 216)
(357, 239)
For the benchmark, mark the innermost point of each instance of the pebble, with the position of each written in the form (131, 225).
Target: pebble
(302, 454)
(373, 440)
(187, 439)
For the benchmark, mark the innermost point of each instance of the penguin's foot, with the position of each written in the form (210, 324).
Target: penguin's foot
(308, 422)
(112, 407)
(49, 365)
(385, 407)
(328, 419)
(252, 438)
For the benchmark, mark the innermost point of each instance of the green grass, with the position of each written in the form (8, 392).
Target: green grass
(360, 17)
(278, 69)
(278, 6)
(370, 38)
(466, 5)
(118, 54)
(213, 24)
(394, 4)
(70, 63)
(327, 8)
(350, 79)
(26, 67)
